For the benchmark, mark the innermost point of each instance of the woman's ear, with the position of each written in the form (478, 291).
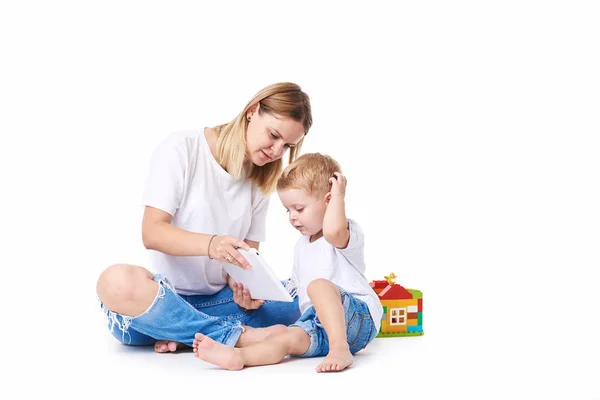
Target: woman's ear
(252, 110)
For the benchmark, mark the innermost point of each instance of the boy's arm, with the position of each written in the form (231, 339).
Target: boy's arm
(335, 224)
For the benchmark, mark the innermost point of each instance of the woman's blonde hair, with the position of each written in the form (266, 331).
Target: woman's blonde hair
(280, 100)
(311, 173)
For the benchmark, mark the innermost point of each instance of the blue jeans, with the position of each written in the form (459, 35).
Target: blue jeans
(178, 317)
(360, 329)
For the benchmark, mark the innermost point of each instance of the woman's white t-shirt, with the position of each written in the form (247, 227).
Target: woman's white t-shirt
(187, 182)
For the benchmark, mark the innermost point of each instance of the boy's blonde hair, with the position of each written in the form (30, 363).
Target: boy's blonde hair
(310, 172)
(282, 100)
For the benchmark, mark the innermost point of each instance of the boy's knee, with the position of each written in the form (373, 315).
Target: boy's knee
(279, 328)
(318, 286)
(298, 339)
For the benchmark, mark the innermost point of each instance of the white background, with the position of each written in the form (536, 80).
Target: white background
(469, 133)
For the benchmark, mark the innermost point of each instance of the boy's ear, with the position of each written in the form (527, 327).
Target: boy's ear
(327, 197)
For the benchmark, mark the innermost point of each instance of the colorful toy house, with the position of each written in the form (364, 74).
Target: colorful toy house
(402, 308)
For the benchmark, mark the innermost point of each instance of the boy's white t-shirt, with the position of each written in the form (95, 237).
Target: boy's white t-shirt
(187, 182)
(343, 267)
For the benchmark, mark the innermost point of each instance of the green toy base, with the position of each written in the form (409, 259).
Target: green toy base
(396, 334)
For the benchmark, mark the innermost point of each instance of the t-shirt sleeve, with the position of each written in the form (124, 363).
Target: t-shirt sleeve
(257, 231)
(166, 175)
(354, 252)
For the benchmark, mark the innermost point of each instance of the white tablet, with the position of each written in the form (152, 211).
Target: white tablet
(260, 280)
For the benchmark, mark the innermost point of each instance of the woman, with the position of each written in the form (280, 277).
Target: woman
(207, 196)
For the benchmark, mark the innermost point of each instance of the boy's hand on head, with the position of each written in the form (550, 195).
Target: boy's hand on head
(338, 184)
(335, 223)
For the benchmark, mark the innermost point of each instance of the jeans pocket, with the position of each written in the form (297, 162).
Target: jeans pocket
(356, 330)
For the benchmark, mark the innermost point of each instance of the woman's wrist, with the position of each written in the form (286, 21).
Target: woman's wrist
(208, 247)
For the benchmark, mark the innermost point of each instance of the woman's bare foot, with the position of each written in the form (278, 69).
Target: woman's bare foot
(168, 346)
(337, 360)
(250, 336)
(255, 335)
(216, 353)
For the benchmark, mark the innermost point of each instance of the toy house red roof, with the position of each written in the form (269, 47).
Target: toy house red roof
(394, 292)
(379, 284)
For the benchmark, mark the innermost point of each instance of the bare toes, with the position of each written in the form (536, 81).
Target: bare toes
(160, 347)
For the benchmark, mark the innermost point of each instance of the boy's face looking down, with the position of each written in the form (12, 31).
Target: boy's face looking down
(306, 212)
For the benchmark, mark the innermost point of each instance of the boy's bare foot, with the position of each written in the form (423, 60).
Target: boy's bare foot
(168, 346)
(216, 353)
(255, 335)
(337, 360)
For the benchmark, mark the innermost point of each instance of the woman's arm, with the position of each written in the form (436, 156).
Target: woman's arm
(158, 234)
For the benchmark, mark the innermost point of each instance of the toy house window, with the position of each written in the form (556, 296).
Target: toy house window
(397, 316)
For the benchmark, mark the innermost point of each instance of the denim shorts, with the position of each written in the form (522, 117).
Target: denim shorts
(179, 317)
(360, 328)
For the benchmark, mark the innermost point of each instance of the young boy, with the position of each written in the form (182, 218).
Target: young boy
(341, 313)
